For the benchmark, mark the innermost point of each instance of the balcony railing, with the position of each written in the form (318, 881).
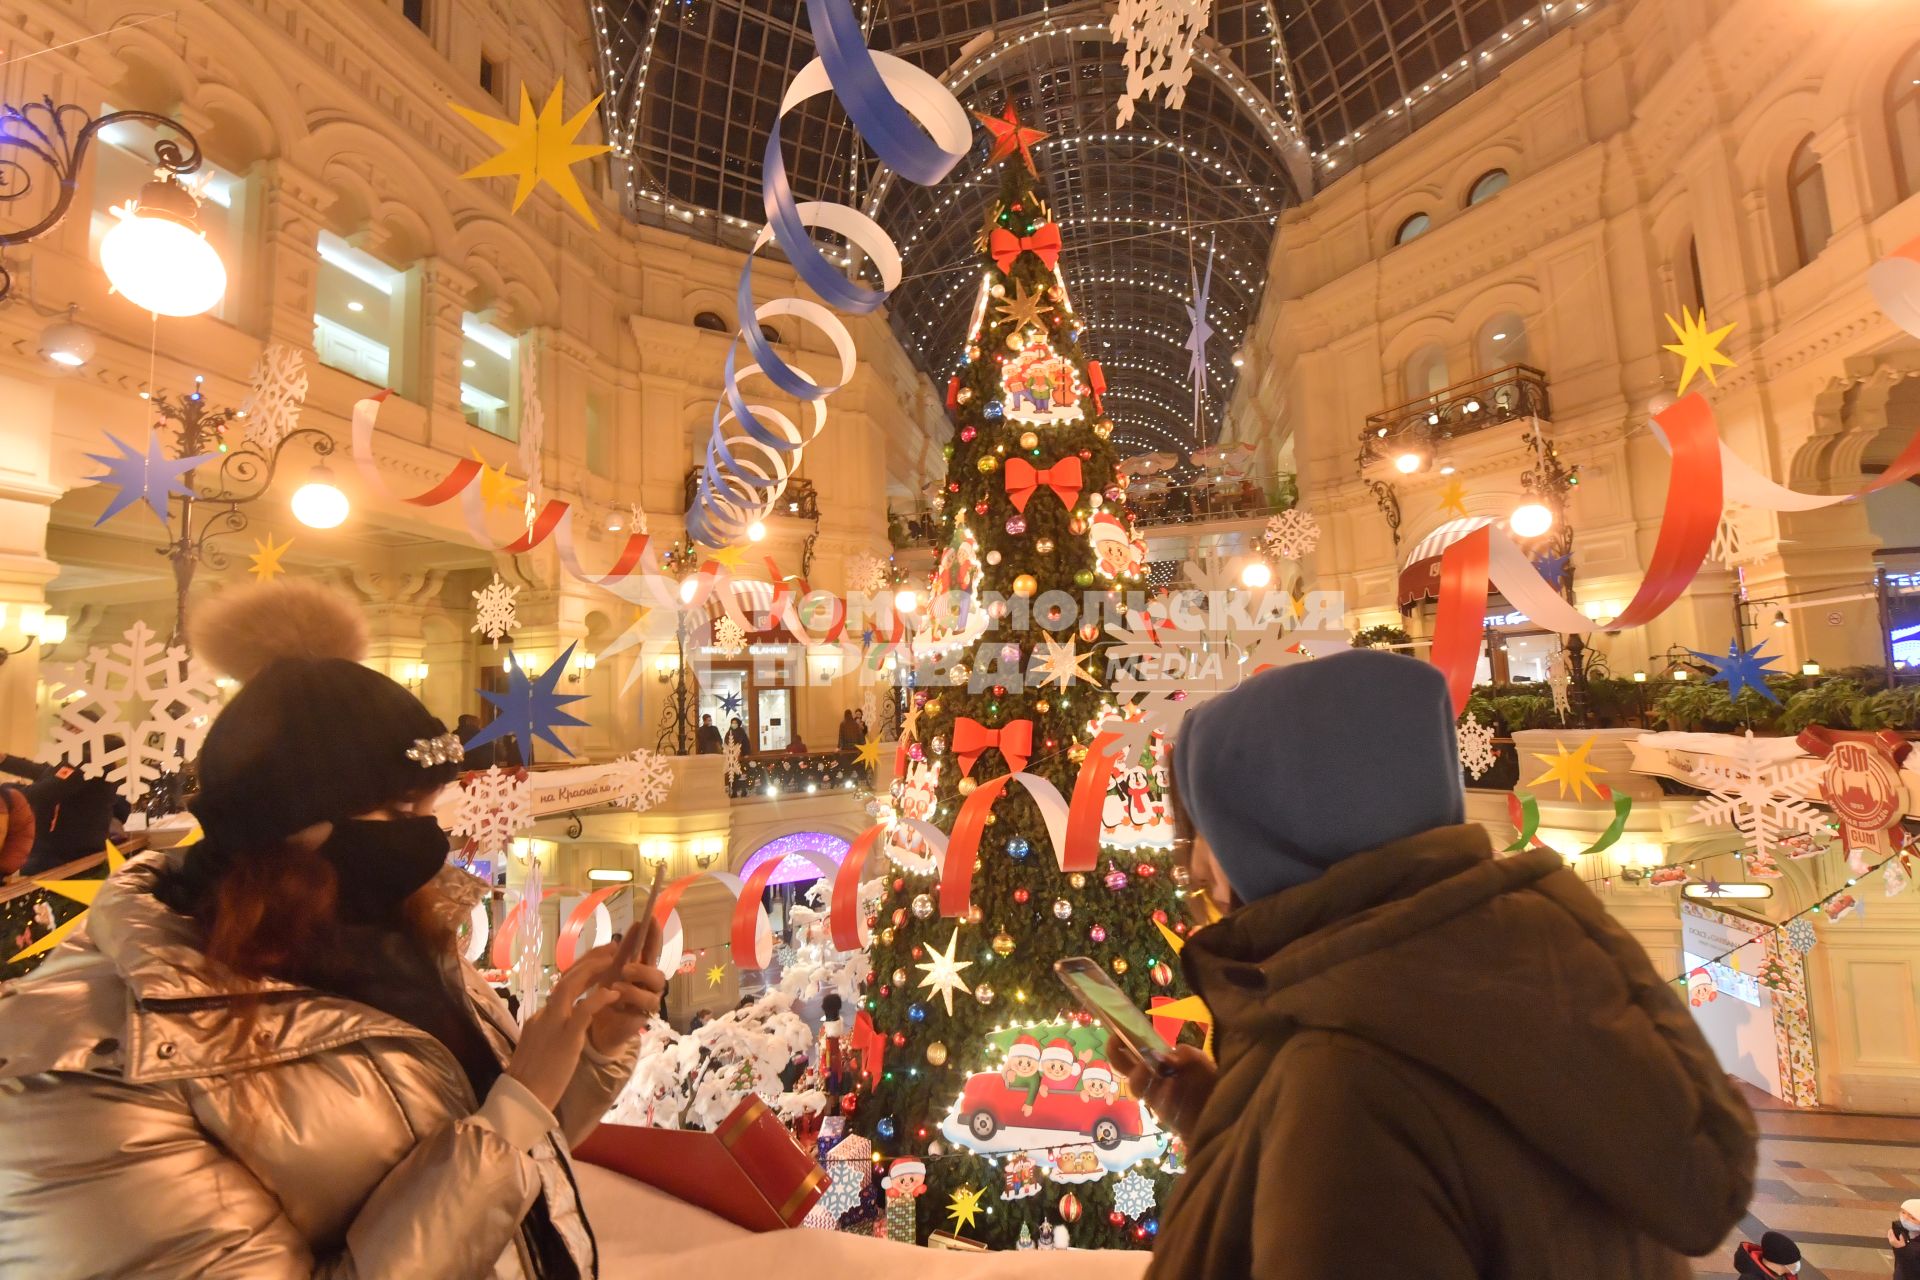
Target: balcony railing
(779, 773)
(1427, 424)
(1152, 502)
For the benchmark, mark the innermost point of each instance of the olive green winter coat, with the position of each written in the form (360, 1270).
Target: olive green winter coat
(1439, 1064)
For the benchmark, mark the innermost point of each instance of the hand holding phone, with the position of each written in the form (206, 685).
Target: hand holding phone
(1101, 996)
(638, 932)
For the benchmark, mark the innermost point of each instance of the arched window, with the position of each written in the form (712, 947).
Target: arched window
(1487, 186)
(710, 320)
(1426, 371)
(1502, 342)
(1903, 123)
(770, 333)
(1413, 228)
(1807, 197)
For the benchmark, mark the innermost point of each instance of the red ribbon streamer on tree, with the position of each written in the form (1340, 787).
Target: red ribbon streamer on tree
(1043, 244)
(847, 922)
(1024, 480)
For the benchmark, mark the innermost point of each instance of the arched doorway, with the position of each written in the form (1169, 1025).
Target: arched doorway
(794, 879)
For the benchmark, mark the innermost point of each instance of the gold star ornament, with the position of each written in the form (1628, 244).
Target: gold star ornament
(1009, 136)
(1698, 348)
(868, 755)
(1453, 498)
(265, 560)
(964, 1207)
(1570, 769)
(539, 148)
(1024, 309)
(497, 488)
(83, 891)
(716, 975)
(1059, 663)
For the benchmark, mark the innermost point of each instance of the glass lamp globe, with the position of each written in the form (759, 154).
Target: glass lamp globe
(157, 257)
(757, 531)
(1256, 575)
(319, 504)
(1530, 519)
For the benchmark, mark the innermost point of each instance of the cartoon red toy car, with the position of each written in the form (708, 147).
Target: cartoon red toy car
(988, 1104)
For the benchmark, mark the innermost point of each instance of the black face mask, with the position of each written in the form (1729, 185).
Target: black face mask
(381, 864)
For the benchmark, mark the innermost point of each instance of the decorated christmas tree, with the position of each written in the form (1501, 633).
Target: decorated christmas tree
(990, 1079)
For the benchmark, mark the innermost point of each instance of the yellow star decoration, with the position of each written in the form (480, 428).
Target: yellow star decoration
(728, 556)
(497, 488)
(868, 756)
(1698, 349)
(1024, 309)
(716, 975)
(540, 148)
(1570, 769)
(266, 559)
(964, 1207)
(1453, 498)
(81, 891)
(1190, 1008)
(943, 972)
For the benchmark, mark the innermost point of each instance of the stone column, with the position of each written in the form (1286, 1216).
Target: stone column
(445, 291)
(290, 252)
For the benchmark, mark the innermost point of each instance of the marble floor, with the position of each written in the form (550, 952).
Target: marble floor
(1833, 1181)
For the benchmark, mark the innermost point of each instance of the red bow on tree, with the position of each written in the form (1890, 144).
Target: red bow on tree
(1043, 244)
(871, 1045)
(971, 739)
(1023, 479)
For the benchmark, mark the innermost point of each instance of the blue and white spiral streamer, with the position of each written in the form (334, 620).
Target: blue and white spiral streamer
(919, 129)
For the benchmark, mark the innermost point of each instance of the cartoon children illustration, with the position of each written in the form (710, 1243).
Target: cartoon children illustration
(1057, 1067)
(905, 1183)
(1096, 1082)
(1022, 1071)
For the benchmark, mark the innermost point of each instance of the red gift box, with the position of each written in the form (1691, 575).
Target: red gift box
(749, 1171)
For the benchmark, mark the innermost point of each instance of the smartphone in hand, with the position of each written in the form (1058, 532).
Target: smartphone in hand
(638, 932)
(1101, 996)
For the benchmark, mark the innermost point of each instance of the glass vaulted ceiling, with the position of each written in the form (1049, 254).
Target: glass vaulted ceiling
(1279, 89)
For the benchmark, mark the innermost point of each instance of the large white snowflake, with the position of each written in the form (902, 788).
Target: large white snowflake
(1765, 800)
(645, 779)
(867, 574)
(1133, 1195)
(493, 610)
(732, 768)
(728, 638)
(1476, 745)
(156, 699)
(1158, 37)
(494, 807)
(278, 391)
(1292, 534)
(1560, 681)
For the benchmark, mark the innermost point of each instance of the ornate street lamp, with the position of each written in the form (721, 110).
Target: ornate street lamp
(156, 256)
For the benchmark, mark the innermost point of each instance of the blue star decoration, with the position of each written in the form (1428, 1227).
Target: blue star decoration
(151, 477)
(531, 708)
(1553, 568)
(1742, 669)
(730, 702)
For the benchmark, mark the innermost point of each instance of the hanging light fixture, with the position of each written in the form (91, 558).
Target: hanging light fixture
(157, 257)
(1256, 576)
(1779, 617)
(319, 504)
(67, 343)
(757, 531)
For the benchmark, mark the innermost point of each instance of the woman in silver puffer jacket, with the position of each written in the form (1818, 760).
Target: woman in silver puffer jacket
(263, 1058)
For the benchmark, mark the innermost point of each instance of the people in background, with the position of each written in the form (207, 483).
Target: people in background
(1774, 1255)
(1904, 1236)
(73, 815)
(265, 1050)
(795, 747)
(849, 732)
(503, 750)
(737, 735)
(706, 739)
(700, 1019)
(1362, 1119)
(860, 724)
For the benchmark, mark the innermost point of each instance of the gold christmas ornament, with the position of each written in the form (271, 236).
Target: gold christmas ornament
(965, 395)
(1029, 440)
(1077, 880)
(998, 291)
(1043, 545)
(886, 935)
(1003, 944)
(1119, 964)
(899, 977)
(1025, 585)
(967, 786)
(988, 464)
(1043, 706)
(1103, 429)
(1013, 342)
(937, 1054)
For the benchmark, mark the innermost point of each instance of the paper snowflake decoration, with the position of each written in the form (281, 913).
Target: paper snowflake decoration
(1476, 746)
(645, 779)
(276, 395)
(533, 423)
(1133, 1195)
(528, 943)
(155, 699)
(531, 707)
(494, 615)
(867, 574)
(1292, 535)
(1059, 663)
(1765, 800)
(1800, 935)
(732, 768)
(728, 638)
(1157, 39)
(1560, 682)
(1896, 876)
(491, 809)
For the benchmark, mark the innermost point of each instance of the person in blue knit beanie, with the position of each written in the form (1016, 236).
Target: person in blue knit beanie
(1431, 1060)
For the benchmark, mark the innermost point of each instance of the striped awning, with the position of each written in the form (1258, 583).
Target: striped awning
(753, 597)
(1420, 578)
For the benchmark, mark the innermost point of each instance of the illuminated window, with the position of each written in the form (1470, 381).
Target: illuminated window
(489, 377)
(1903, 123)
(1487, 186)
(1807, 197)
(1503, 342)
(359, 307)
(125, 164)
(1426, 371)
(1413, 228)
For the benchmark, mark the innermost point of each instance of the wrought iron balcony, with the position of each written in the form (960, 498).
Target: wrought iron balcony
(1423, 427)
